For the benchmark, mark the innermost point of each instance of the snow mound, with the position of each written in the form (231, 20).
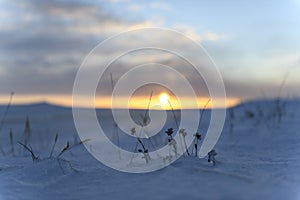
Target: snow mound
(258, 158)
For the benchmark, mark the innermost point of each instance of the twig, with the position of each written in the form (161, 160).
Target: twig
(52, 149)
(283, 82)
(34, 157)
(27, 131)
(145, 119)
(183, 133)
(177, 125)
(279, 106)
(147, 110)
(67, 161)
(6, 110)
(61, 168)
(116, 128)
(4, 117)
(143, 146)
(68, 147)
(203, 110)
(143, 124)
(64, 149)
(11, 139)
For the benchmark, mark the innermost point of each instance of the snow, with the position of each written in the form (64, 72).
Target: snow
(258, 158)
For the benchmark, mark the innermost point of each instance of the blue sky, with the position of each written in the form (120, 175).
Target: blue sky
(254, 43)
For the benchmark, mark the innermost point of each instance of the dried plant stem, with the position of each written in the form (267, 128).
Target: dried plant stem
(27, 131)
(59, 160)
(145, 119)
(11, 139)
(174, 115)
(53, 146)
(6, 110)
(203, 110)
(64, 149)
(177, 125)
(143, 146)
(147, 110)
(116, 128)
(4, 118)
(143, 124)
(29, 148)
(68, 147)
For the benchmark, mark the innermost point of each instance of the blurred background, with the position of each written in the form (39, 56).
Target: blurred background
(255, 44)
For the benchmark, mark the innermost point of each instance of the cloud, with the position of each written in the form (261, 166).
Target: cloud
(212, 36)
(44, 42)
(161, 5)
(116, 1)
(135, 8)
(206, 36)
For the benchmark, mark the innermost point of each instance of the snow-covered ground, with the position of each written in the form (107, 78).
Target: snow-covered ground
(258, 158)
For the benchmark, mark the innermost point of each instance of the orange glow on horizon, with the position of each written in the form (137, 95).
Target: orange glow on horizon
(137, 102)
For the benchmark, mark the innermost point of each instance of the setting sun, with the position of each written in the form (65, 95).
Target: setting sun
(164, 98)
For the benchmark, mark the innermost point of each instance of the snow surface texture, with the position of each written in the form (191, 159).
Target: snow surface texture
(258, 158)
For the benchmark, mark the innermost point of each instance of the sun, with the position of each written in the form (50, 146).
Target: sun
(164, 98)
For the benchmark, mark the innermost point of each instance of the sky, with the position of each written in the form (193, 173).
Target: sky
(255, 44)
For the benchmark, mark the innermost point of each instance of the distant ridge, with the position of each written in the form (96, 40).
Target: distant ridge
(37, 104)
(44, 104)
(266, 101)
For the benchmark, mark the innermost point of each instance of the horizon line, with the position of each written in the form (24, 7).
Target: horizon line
(2, 104)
